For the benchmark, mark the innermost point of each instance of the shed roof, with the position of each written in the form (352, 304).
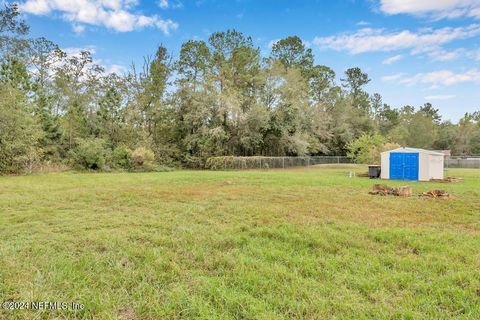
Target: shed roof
(405, 149)
(446, 153)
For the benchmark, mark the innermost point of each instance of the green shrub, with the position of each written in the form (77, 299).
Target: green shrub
(143, 159)
(19, 133)
(220, 163)
(89, 154)
(366, 149)
(236, 163)
(167, 155)
(121, 158)
(191, 162)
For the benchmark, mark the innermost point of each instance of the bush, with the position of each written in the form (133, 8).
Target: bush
(367, 148)
(390, 146)
(192, 162)
(143, 159)
(236, 163)
(89, 154)
(220, 163)
(121, 158)
(167, 155)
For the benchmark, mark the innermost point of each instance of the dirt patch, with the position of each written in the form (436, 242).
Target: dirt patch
(125, 262)
(127, 313)
(383, 190)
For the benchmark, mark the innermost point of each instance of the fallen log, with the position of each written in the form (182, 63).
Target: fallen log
(447, 180)
(383, 190)
(435, 194)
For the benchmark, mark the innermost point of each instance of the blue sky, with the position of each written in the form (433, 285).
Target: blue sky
(415, 51)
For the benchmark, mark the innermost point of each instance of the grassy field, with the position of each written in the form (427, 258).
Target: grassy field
(279, 244)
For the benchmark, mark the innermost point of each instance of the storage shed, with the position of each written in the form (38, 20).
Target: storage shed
(412, 164)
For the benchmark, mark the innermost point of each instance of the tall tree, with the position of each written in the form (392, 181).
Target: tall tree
(429, 111)
(235, 71)
(467, 141)
(292, 53)
(109, 116)
(77, 82)
(354, 81)
(12, 31)
(193, 108)
(376, 103)
(19, 132)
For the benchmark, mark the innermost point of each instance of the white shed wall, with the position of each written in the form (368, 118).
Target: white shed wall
(385, 162)
(436, 166)
(423, 171)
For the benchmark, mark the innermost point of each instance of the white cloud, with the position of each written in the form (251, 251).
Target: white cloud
(393, 77)
(436, 78)
(112, 14)
(363, 23)
(438, 9)
(169, 4)
(73, 51)
(393, 59)
(371, 40)
(440, 97)
(444, 55)
(163, 4)
(115, 68)
(78, 28)
(109, 68)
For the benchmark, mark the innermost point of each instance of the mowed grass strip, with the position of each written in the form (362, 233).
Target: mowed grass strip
(304, 243)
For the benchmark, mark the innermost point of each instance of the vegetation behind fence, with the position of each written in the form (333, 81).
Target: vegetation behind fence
(462, 162)
(240, 163)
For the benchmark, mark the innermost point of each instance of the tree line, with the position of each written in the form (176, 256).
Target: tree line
(215, 98)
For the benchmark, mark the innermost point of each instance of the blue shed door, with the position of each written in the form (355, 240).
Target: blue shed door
(404, 166)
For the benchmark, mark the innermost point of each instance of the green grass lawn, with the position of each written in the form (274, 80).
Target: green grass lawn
(279, 244)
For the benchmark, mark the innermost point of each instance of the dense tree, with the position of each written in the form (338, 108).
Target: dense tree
(388, 118)
(109, 115)
(14, 74)
(218, 98)
(19, 132)
(429, 111)
(376, 103)
(447, 134)
(467, 141)
(12, 31)
(292, 53)
(354, 81)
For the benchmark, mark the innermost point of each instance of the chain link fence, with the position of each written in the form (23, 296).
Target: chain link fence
(243, 163)
(472, 162)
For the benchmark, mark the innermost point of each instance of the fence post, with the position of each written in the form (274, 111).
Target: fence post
(283, 162)
(338, 160)
(308, 161)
